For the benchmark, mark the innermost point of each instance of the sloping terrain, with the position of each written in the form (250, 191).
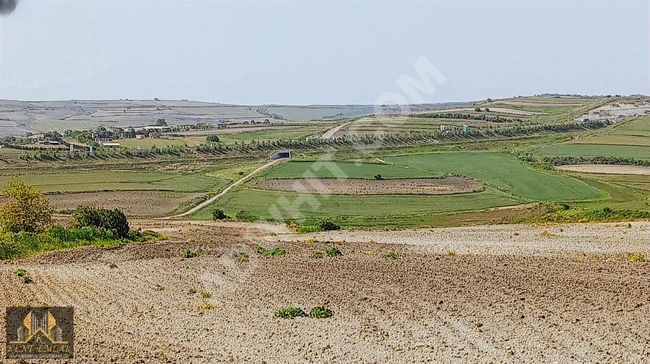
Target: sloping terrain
(556, 306)
(19, 117)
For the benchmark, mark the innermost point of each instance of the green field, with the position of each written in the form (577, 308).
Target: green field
(503, 171)
(508, 182)
(595, 150)
(630, 139)
(119, 181)
(357, 211)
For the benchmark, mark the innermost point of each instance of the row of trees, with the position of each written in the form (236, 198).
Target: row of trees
(400, 139)
(461, 116)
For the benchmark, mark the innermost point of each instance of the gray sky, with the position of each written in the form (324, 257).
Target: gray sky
(327, 52)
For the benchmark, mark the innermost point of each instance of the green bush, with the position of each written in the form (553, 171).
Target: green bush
(188, 254)
(320, 312)
(271, 252)
(290, 313)
(112, 220)
(212, 139)
(333, 252)
(329, 226)
(218, 214)
(391, 255)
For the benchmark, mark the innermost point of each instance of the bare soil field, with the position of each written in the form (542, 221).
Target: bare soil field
(133, 203)
(606, 169)
(422, 306)
(411, 186)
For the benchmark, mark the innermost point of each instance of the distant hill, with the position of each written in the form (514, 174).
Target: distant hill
(20, 117)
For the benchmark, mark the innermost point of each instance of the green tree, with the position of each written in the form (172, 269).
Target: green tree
(112, 220)
(26, 208)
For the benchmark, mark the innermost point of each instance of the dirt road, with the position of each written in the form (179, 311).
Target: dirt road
(332, 132)
(226, 190)
(463, 303)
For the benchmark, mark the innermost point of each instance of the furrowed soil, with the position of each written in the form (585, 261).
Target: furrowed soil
(575, 305)
(606, 169)
(133, 203)
(415, 186)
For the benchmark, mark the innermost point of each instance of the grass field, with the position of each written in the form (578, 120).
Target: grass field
(630, 139)
(120, 181)
(595, 150)
(504, 172)
(357, 211)
(508, 182)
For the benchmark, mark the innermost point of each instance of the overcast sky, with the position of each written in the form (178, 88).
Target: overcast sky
(319, 52)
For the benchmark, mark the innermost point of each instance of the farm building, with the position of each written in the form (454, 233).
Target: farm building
(281, 155)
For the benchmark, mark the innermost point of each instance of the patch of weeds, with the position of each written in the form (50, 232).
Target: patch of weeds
(320, 312)
(271, 252)
(187, 254)
(333, 252)
(311, 240)
(205, 295)
(391, 255)
(636, 257)
(293, 226)
(290, 313)
(20, 272)
(206, 306)
(24, 276)
(317, 255)
(112, 265)
(450, 252)
(242, 257)
(544, 234)
(191, 291)
(159, 288)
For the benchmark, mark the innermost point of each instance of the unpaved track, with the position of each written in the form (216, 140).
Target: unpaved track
(226, 190)
(332, 132)
(423, 306)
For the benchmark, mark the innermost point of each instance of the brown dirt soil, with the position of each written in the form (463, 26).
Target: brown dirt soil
(606, 169)
(414, 186)
(133, 203)
(422, 306)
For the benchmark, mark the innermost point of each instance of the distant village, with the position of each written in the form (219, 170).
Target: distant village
(109, 136)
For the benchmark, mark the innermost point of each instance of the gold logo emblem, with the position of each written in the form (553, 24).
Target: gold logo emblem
(39, 333)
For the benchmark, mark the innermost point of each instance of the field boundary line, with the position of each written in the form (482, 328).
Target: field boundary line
(225, 191)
